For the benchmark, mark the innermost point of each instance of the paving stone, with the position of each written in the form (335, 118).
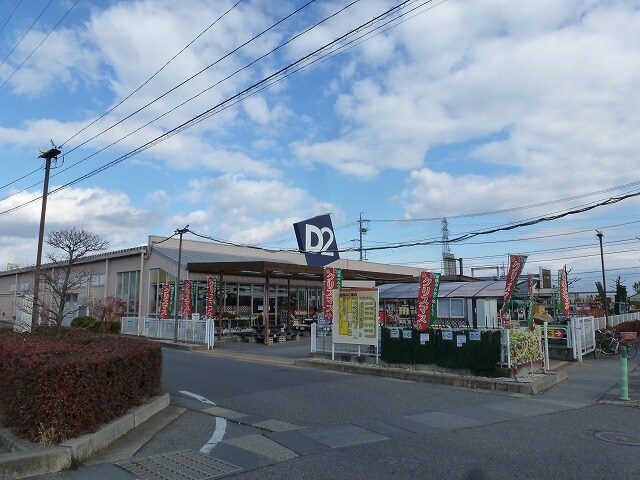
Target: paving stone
(250, 419)
(385, 429)
(336, 436)
(484, 414)
(296, 441)
(223, 412)
(263, 446)
(240, 457)
(411, 425)
(277, 426)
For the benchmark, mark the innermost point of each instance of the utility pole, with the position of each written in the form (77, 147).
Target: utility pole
(361, 231)
(180, 231)
(604, 282)
(48, 156)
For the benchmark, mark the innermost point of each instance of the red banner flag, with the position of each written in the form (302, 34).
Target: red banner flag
(186, 299)
(211, 293)
(516, 264)
(564, 292)
(426, 309)
(165, 301)
(330, 283)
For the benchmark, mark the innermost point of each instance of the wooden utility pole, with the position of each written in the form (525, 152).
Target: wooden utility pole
(48, 156)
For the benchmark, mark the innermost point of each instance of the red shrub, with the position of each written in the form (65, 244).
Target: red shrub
(58, 388)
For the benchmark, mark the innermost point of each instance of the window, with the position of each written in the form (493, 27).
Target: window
(450, 308)
(157, 278)
(127, 290)
(98, 280)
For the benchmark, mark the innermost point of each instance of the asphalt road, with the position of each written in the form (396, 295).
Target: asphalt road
(423, 430)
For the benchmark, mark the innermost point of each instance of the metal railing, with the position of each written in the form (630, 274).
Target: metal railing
(194, 331)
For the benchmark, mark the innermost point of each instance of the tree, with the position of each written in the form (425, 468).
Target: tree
(107, 310)
(636, 286)
(63, 276)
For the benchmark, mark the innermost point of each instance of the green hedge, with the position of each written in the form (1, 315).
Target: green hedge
(478, 355)
(55, 388)
(94, 325)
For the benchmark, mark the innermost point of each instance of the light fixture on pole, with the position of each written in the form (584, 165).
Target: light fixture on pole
(604, 283)
(180, 231)
(48, 156)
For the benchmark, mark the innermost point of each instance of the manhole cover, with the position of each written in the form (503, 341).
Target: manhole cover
(181, 465)
(620, 438)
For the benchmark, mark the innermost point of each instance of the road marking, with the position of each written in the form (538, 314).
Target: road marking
(197, 397)
(252, 358)
(218, 434)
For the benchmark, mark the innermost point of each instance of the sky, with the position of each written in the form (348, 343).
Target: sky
(240, 118)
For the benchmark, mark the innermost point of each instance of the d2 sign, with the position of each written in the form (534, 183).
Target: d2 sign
(316, 240)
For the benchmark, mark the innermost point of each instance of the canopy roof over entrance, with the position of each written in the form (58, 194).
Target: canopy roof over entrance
(263, 268)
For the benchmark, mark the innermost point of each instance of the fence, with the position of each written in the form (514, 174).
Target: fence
(195, 331)
(581, 336)
(617, 319)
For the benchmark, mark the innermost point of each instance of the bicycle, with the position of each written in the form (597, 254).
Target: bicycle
(609, 343)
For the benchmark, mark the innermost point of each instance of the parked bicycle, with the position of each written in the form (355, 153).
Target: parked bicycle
(609, 343)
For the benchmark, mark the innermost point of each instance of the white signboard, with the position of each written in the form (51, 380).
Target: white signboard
(461, 340)
(447, 335)
(407, 333)
(474, 335)
(424, 338)
(355, 318)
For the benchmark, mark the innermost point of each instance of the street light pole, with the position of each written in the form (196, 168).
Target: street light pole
(604, 282)
(48, 156)
(180, 231)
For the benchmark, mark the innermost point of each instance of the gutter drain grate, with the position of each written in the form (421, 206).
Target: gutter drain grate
(181, 465)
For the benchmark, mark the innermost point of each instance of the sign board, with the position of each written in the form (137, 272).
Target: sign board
(316, 240)
(195, 316)
(355, 316)
(461, 340)
(395, 333)
(447, 335)
(407, 334)
(474, 335)
(424, 338)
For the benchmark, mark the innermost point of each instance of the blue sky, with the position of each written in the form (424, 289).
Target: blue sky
(461, 108)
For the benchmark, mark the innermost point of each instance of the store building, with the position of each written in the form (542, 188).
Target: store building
(251, 278)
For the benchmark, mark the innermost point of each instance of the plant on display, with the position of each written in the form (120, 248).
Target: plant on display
(62, 277)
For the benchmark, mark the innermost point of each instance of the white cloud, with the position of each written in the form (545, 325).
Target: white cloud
(109, 214)
(251, 211)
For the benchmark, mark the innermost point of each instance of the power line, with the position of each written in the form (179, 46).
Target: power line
(25, 33)
(172, 89)
(154, 75)
(16, 5)
(38, 46)
(252, 90)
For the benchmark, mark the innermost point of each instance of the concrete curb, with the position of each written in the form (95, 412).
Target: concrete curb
(28, 459)
(534, 387)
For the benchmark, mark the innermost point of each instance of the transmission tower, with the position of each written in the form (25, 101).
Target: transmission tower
(448, 258)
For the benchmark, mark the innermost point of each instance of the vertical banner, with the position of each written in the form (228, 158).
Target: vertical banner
(558, 293)
(211, 297)
(516, 264)
(172, 299)
(165, 302)
(186, 299)
(563, 288)
(530, 322)
(427, 307)
(332, 281)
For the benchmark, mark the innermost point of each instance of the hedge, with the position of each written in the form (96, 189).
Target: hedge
(55, 388)
(475, 355)
(630, 326)
(94, 325)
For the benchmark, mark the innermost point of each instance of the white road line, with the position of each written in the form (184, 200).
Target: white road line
(198, 397)
(218, 433)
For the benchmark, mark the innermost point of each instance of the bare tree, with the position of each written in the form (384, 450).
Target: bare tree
(62, 276)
